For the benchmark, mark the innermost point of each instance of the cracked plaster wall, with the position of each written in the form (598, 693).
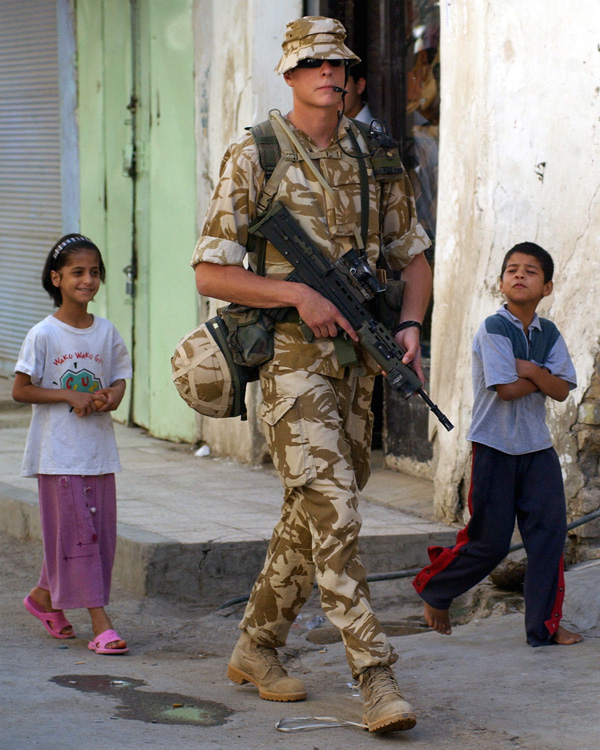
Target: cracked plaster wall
(519, 160)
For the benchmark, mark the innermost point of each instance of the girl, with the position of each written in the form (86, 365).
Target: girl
(72, 368)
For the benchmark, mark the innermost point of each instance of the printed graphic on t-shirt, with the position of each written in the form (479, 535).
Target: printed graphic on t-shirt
(82, 380)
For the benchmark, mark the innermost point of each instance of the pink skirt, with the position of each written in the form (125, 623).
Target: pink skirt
(79, 529)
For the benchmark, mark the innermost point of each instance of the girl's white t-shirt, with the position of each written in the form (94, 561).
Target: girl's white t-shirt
(56, 355)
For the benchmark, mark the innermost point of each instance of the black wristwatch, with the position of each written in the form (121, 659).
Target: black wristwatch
(407, 324)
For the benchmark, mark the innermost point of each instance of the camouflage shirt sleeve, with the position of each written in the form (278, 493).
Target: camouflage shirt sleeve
(225, 232)
(402, 237)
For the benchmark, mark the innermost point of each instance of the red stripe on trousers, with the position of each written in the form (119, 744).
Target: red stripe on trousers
(556, 615)
(441, 557)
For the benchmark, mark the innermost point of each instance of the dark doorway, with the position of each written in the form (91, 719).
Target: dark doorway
(398, 42)
(377, 33)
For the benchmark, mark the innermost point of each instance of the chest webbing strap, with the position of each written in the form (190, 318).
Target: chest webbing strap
(364, 191)
(276, 153)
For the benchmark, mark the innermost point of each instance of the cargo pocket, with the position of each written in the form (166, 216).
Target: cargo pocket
(287, 437)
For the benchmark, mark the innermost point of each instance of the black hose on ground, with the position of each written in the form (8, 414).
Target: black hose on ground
(410, 572)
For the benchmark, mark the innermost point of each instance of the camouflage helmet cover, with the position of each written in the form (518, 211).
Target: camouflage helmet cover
(204, 374)
(314, 36)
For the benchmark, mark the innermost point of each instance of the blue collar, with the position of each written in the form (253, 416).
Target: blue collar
(535, 323)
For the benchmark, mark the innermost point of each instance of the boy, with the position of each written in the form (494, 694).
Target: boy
(518, 360)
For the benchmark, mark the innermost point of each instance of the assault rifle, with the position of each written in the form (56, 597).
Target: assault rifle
(348, 284)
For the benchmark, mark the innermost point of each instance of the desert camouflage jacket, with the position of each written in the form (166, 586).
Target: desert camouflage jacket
(331, 222)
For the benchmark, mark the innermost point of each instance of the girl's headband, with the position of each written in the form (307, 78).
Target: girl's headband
(76, 238)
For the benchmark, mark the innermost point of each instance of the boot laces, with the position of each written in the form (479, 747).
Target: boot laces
(380, 681)
(268, 655)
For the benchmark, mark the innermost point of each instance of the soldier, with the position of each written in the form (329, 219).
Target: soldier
(316, 410)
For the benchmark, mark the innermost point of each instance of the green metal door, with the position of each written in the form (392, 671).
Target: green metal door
(135, 61)
(106, 132)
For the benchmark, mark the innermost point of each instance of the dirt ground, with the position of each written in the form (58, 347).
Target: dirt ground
(481, 688)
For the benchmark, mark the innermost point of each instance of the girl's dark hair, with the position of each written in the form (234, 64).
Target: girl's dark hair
(530, 248)
(58, 257)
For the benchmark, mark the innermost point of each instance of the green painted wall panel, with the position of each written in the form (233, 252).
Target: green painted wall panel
(90, 93)
(166, 306)
(149, 52)
(175, 171)
(104, 88)
(118, 135)
(143, 218)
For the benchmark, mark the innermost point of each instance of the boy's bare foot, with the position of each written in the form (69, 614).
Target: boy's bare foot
(42, 598)
(564, 637)
(438, 619)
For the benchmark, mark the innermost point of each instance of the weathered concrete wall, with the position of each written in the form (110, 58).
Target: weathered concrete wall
(585, 540)
(238, 44)
(519, 160)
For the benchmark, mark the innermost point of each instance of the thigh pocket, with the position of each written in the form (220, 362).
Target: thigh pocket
(287, 437)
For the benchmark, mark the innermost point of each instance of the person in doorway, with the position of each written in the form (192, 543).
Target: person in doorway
(72, 367)
(315, 410)
(519, 359)
(355, 106)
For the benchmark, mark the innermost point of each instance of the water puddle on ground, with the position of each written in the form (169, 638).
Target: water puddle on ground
(145, 705)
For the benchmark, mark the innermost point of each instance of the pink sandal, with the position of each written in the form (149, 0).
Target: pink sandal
(54, 622)
(108, 636)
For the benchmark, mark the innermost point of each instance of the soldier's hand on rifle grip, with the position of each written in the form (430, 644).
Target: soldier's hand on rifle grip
(409, 339)
(322, 316)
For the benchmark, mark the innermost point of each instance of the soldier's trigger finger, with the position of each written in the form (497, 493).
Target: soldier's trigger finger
(343, 323)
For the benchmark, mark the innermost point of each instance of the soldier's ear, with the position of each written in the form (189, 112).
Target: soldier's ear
(287, 77)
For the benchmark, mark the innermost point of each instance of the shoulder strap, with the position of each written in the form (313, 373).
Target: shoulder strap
(363, 128)
(269, 150)
(275, 155)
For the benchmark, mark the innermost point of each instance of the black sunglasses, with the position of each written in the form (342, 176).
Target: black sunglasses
(313, 62)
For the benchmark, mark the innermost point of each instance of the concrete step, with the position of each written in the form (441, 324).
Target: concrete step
(199, 527)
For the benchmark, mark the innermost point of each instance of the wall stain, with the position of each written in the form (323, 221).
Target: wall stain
(147, 706)
(539, 170)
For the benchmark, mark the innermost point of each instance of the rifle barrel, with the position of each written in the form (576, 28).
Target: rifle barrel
(436, 410)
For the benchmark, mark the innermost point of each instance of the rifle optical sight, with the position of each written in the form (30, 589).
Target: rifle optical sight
(359, 273)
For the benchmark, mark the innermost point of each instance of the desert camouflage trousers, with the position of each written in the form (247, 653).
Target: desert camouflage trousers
(319, 433)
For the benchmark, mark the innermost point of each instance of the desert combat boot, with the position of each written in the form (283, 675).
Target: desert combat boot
(385, 710)
(251, 662)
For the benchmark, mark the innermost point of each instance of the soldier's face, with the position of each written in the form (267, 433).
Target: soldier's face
(314, 86)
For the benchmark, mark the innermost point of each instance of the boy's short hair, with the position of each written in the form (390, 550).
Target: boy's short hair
(530, 248)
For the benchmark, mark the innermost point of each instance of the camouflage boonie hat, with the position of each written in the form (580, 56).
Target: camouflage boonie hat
(205, 375)
(314, 36)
